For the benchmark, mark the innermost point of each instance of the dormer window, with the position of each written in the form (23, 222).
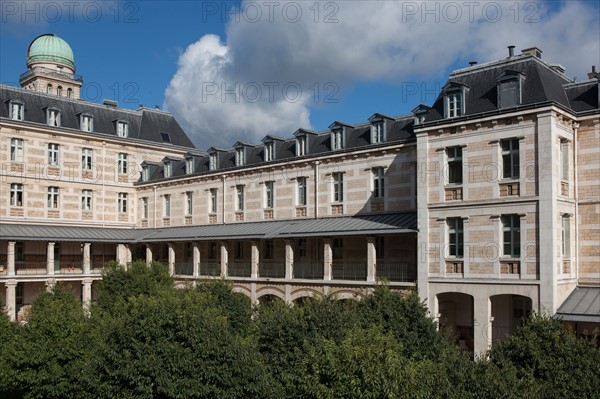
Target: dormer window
(122, 128)
(189, 165)
(145, 173)
(509, 89)
(53, 117)
(17, 110)
(86, 122)
(301, 146)
(378, 132)
(165, 137)
(420, 113)
(454, 100)
(213, 161)
(269, 151)
(337, 139)
(240, 158)
(167, 169)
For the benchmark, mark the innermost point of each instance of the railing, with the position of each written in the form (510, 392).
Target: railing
(349, 271)
(309, 271)
(184, 268)
(271, 270)
(68, 267)
(210, 268)
(402, 272)
(52, 72)
(30, 268)
(239, 269)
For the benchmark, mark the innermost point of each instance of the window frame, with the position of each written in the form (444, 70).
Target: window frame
(240, 156)
(337, 139)
(511, 226)
(378, 179)
(239, 198)
(189, 165)
(90, 122)
(189, 203)
(454, 103)
(17, 149)
(167, 169)
(122, 202)
(53, 114)
(301, 146)
(86, 200)
(53, 154)
(454, 162)
(145, 208)
(167, 206)
(269, 194)
(21, 110)
(122, 163)
(512, 156)
(301, 191)
(565, 236)
(337, 192)
(16, 195)
(53, 197)
(456, 237)
(122, 128)
(378, 132)
(87, 158)
(213, 200)
(213, 161)
(269, 151)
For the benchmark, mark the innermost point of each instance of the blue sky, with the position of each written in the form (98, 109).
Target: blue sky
(240, 70)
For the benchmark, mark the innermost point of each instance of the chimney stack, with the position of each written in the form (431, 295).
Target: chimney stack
(511, 51)
(536, 52)
(472, 63)
(592, 75)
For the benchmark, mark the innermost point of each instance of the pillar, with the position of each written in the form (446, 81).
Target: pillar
(10, 259)
(86, 290)
(11, 299)
(87, 258)
(171, 259)
(482, 324)
(195, 259)
(50, 258)
(50, 283)
(371, 258)
(123, 254)
(149, 254)
(224, 259)
(327, 258)
(289, 260)
(254, 259)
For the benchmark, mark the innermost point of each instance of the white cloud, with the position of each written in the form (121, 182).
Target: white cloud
(391, 40)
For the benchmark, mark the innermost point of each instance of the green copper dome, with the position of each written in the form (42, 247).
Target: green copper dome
(51, 48)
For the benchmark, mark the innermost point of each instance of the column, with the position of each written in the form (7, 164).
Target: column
(171, 259)
(11, 299)
(50, 259)
(327, 258)
(10, 258)
(128, 255)
(289, 259)
(371, 259)
(121, 254)
(50, 283)
(86, 290)
(254, 259)
(149, 254)
(195, 259)
(482, 323)
(224, 258)
(87, 258)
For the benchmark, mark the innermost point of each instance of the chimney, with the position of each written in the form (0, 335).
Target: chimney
(536, 52)
(592, 75)
(511, 51)
(110, 103)
(472, 63)
(558, 68)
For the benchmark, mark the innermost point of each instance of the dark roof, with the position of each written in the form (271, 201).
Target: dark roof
(584, 96)
(144, 124)
(330, 226)
(582, 305)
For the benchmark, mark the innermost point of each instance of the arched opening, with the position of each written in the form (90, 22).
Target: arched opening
(267, 299)
(508, 312)
(455, 317)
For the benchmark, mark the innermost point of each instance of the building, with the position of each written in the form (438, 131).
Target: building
(487, 201)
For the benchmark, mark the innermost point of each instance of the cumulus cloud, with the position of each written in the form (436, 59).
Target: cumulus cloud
(282, 58)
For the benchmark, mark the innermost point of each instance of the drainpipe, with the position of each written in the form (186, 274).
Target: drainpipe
(103, 179)
(575, 188)
(317, 189)
(223, 200)
(154, 187)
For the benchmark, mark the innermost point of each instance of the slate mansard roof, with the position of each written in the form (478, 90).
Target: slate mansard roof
(144, 123)
(541, 83)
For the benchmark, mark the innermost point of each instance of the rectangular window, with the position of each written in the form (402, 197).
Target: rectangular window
(378, 183)
(269, 249)
(122, 163)
(86, 158)
(189, 166)
(145, 173)
(380, 247)
(53, 117)
(338, 187)
(122, 129)
(302, 245)
(213, 200)
(566, 236)
(167, 169)
(145, 208)
(510, 158)
(337, 139)
(212, 162)
(377, 133)
(239, 157)
(16, 150)
(454, 104)
(511, 235)
(269, 194)
(16, 194)
(301, 197)
(301, 146)
(53, 154)
(87, 123)
(239, 250)
(455, 165)
(239, 203)
(269, 151)
(16, 111)
(86, 200)
(189, 203)
(508, 93)
(338, 248)
(53, 197)
(167, 206)
(564, 160)
(455, 237)
(122, 203)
